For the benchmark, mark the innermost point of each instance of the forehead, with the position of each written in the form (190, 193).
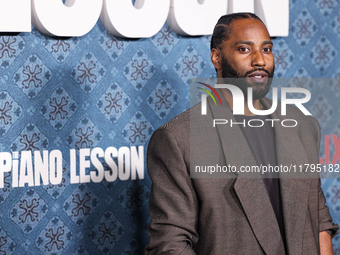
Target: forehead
(248, 30)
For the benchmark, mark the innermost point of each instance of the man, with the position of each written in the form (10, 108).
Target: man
(237, 215)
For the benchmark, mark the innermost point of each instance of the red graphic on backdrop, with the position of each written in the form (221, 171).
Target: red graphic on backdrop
(336, 146)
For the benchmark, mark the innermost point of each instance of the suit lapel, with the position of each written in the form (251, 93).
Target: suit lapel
(251, 192)
(294, 191)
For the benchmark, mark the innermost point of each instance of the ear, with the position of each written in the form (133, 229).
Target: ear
(216, 58)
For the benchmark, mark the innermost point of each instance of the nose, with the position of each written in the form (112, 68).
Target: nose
(258, 59)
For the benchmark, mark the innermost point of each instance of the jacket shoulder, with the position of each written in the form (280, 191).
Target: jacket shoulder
(179, 123)
(306, 122)
(176, 131)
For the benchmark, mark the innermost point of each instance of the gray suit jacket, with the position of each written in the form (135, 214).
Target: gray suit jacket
(231, 215)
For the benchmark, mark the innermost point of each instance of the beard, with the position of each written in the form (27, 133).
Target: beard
(260, 90)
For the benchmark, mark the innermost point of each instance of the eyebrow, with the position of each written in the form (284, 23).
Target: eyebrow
(252, 43)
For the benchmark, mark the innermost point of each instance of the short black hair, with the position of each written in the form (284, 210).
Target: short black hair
(222, 29)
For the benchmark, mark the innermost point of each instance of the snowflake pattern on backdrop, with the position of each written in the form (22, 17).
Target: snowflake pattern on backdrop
(32, 77)
(112, 45)
(85, 135)
(139, 70)
(10, 48)
(283, 58)
(29, 211)
(304, 27)
(162, 99)
(106, 233)
(165, 40)
(54, 238)
(10, 112)
(62, 94)
(7, 188)
(30, 139)
(113, 103)
(88, 72)
(7, 245)
(326, 6)
(80, 204)
(323, 54)
(59, 108)
(60, 49)
(322, 110)
(190, 65)
(134, 198)
(138, 130)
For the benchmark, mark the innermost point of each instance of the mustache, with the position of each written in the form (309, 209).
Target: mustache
(256, 70)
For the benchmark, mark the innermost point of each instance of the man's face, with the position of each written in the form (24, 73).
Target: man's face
(248, 54)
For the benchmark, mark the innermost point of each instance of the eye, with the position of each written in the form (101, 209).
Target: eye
(243, 50)
(267, 49)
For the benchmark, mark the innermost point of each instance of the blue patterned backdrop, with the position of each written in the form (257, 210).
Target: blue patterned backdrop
(101, 91)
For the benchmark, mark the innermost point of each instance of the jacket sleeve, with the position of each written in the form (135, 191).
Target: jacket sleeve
(325, 219)
(173, 203)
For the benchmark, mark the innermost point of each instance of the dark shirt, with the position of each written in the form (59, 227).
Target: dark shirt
(261, 141)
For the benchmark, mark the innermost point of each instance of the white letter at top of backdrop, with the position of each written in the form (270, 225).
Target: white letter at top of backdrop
(195, 17)
(274, 13)
(15, 16)
(74, 18)
(143, 19)
(241, 6)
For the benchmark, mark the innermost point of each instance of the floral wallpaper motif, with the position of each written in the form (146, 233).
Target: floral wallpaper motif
(101, 91)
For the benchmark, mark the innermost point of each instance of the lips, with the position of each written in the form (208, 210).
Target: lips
(258, 76)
